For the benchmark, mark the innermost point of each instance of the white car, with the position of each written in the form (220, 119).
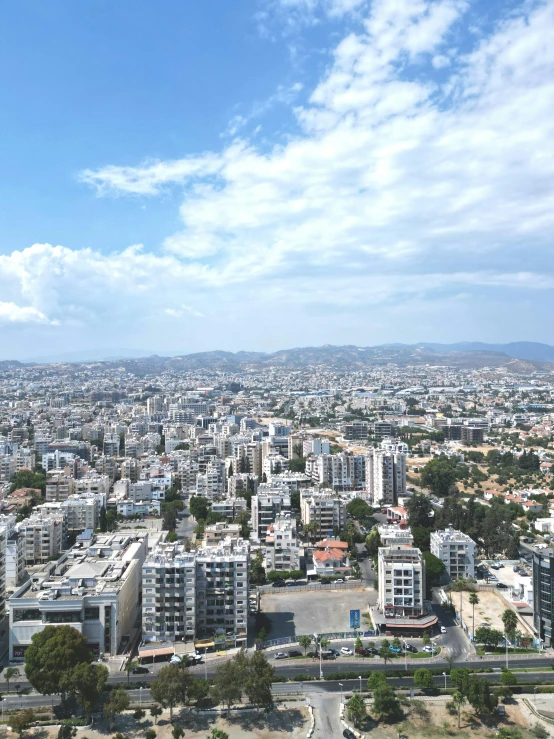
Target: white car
(339, 580)
(345, 650)
(175, 660)
(429, 650)
(281, 655)
(443, 629)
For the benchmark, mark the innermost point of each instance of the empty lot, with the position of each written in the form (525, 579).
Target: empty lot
(317, 611)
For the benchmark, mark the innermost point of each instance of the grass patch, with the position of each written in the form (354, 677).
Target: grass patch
(502, 650)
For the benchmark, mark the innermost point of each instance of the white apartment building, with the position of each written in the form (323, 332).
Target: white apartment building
(231, 508)
(265, 507)
(43, 536)
(401, 581)
(281, 550)
(391, 535)
(94, 587)
(325, 509)
(200, 595)
(343, 472)
(59, 486)
(93, 484)
(456, 550)
(81, 511)
(14, 552)
(386, 476)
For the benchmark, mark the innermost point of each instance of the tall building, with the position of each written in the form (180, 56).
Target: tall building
(326, 510)
(265, 508)
(401, 581)
(456, 550)
(282, 552)
(386, 476)
(543, 595)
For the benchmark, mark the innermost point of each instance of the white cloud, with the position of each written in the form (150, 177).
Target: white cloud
(397, 187)
(12, 313)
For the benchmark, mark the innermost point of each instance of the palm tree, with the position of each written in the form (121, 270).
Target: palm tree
(10, 674)
(458, 699)
(509, 619)
(473, 601)
(129, 667)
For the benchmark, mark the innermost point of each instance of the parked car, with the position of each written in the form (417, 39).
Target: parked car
(334, 651)
(140, 670)
(396, 650)
(443, 629)
(346, 650)
(281, 655)
(372, 650)
(339, 580)
(278, 583)
(349, 734)
(295, 653)
(175, 660)
(410, 648)
(363, 652)
(429, 649)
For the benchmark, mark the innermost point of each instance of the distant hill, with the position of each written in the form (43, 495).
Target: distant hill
(531, 350)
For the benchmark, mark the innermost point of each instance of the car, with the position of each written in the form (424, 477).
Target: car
(410, 648)
(175, 660)
(501, 585)
(295, 653)
(349, 734)
(140, 670)
(429, 650)
(363, 652)
(443, 629)
(281, 655)
(339, 580)
(396, 650)
(372, 650)
(278, 583)
(334, 651)
(346, 650)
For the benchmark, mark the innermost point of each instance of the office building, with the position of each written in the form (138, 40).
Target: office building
(543, 595)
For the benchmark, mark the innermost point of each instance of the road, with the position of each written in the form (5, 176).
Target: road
(185, 524)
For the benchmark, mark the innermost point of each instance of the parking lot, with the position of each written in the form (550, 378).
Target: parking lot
(314, 612)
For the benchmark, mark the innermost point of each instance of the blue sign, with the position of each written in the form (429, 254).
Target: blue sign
(354, 619)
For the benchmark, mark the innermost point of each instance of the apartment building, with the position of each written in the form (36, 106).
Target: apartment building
(265, 509)
(401, 581)
(391, 534)
(327, 510)
(281, 550)
(231, 508)
(386, 476)
(94, 587)
(43, 536)
(81, 511)
(59, 486)
(201, 595)
(456, 550)
(218, 532)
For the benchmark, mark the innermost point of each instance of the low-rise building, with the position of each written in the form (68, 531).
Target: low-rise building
(391, 534)
(456, 550)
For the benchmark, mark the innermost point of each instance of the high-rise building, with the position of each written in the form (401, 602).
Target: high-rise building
(386, 476)
(325, 509)
(401, 581)
(543, 595)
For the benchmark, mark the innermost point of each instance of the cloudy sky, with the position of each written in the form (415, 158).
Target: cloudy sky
(261, 174)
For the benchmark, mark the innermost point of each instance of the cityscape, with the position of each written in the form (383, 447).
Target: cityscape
(276, 369)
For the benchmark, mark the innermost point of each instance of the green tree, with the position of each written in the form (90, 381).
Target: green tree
(423, 678)
(150, 734)
(170, 687)
(386, 705)
(22, 720)
(117, 702)
(66, 731)
(509, 619)
(130, 665)
(11, 673)
(473, 601)
(508, 678)
(259, 677)
(434, 568)
(229, 682)
(539, 731)
(155, 712)
(373, 542)
(356, 710)
(480, 697)
(177, 732)
(358, 644)
(218, 734)
(419, 511)
(426, 639)
(139, 714)
(54, 651)
(198, 691)
(459, 701)
(376, 680)
(257, 570)
(439, 476)
(305, 642)
(384, 651)
(86, 682)
(396, 643)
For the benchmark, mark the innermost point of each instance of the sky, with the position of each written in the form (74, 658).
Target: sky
(262, 174)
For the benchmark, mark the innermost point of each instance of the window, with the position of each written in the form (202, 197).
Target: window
(30, 614)
(93, 613)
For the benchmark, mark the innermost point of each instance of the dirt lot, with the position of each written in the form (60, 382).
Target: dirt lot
(489, 610)
(286, 721)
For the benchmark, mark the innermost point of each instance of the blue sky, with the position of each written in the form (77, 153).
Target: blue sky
(271, 173)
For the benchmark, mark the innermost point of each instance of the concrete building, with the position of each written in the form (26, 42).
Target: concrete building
(327, 510)
(265, 509)
(231, 508)
(391, 535)
(94, 587)
(456, 550)
(386, 476)
(401, 581)
(43, 536)
(281, 550)
(59, 486)
(543, 595)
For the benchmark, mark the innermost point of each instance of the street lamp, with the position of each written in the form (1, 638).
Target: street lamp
(360, 679)
(444, 673)
(140, 696)
(340, 692)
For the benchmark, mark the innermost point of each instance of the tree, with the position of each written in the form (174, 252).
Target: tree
(480, 697)
(509, 619)
(150, 734)
(257, 570)
(426, 639)
(177, 732)
(229, 682)
(473, 601)
(356, 709)
(305, 642)
(373, 542)
(130, 665)
(139, 714)
(54, 651)
(487, 636)
(508, 678)
(170, 687)
(358, 644)
(459, 700)
(434, 568)
(66, 731)
(384, 651)
(419, 511)
(385, 703)
(22, 720)
(11, 673)
(259, 676)
(439, 476)
(396, 643)
(86, 682)
(117, 702)
(423, 678)
(539, 731)
(198, 690)
(376, 680)
(155, 712)
(218, 734)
